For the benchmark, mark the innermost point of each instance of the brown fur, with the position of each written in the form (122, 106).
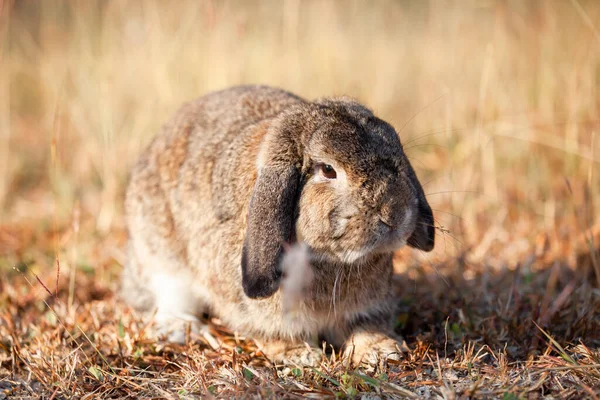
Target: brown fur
(232, 177)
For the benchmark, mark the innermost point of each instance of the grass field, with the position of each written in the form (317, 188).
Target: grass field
(497, 102)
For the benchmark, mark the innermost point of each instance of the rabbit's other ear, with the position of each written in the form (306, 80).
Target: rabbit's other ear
(270, 224)
(423, 237)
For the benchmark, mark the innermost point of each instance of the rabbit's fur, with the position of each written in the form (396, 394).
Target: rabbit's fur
(238, 173)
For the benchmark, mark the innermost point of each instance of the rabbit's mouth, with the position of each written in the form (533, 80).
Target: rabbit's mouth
(383, 238)
(352, 239)
(383, 244)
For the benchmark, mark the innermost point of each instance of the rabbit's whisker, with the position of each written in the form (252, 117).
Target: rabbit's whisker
(446, 233)
(454, 191)
(435, 268)
(442, 230)
(419, 161)
(433, 132)
(426, 144)
(335, 282)
(449, 213)
(421, 110)
(419, 137)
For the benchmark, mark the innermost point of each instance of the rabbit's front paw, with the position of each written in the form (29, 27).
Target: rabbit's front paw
(373, 348)
(302, 355)
(180, 329)
(293, 355)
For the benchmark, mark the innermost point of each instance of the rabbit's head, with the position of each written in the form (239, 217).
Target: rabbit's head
(333, 175)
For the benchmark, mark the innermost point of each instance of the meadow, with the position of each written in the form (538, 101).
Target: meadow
(497, 104)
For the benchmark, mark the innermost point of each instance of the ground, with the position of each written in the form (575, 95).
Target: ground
(496, 102)
(474, 330)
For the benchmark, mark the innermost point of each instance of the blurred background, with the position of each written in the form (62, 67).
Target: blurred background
(497, 103)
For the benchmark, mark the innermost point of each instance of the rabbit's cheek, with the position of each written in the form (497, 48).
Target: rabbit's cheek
(315, 223)
(312, 226)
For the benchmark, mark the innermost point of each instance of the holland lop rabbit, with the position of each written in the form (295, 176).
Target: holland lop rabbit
(238, 174)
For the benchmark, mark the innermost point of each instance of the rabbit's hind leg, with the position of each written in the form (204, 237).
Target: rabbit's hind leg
(166, 295)
(177, 308)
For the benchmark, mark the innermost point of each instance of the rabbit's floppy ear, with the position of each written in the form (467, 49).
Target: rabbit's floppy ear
(271, 212)
(423, 237)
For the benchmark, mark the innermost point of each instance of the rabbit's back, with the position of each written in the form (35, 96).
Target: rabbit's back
(190, 188)
(204, 149)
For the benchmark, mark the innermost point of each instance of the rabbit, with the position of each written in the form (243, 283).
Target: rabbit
(239, 174)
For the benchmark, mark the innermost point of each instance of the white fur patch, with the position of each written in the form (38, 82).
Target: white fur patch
(177, 295)
(297, 276)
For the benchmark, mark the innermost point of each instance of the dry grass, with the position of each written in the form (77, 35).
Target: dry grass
(498, 105)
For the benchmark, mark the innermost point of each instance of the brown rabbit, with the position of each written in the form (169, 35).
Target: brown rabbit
(237, 174)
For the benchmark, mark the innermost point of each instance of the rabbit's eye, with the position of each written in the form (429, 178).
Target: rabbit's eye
(327, 171)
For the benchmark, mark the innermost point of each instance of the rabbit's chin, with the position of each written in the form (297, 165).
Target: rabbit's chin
(390, 247)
